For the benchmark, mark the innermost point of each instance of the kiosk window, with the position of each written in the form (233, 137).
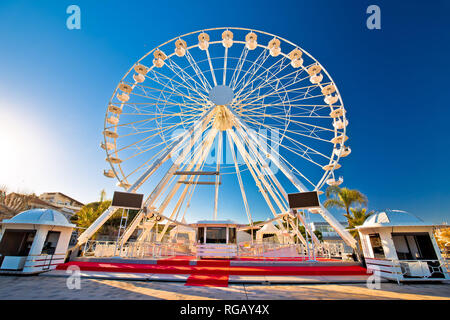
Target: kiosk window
(377, 247)
(216, 235)
(231, 235)
(51, 242)
(201, 235)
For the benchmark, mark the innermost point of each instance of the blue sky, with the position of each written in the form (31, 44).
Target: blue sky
(55, 84)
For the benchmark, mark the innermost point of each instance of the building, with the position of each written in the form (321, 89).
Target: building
(65, 204)
(330, 236)
(400, 246)
(13, 203)
(327, 231)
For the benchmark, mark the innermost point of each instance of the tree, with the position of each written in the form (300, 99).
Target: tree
(357, 218)
(442, 236)
(89, 213)
(344, 198)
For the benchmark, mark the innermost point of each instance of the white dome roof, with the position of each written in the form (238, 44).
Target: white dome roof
(391, 218)
(41, 216)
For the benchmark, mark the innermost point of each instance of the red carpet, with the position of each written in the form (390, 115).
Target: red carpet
(215, 273)
(207, 280)
(216, 267)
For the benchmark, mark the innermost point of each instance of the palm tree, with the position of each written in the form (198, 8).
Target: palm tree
(89, 213)
(102, 195)
(343, 198)
(357, 218)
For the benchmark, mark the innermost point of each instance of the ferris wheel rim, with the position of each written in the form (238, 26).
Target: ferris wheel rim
(334, 158)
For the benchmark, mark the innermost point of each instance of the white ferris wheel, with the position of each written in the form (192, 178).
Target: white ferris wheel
(262, 98)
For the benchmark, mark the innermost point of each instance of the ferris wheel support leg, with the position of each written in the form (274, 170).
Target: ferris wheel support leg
(93, 228)
(266, 169)
(158, 189)
(241, 185)
(216, 191)
(255, 176)
(332, 221)
(199, 159)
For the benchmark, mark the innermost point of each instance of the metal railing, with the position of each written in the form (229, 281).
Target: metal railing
(94, 248)
(409, 270)
(428, 268)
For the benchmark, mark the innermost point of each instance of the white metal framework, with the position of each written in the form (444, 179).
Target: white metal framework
(278, 108)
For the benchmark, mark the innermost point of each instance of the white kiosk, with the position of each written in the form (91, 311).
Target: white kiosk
(34, 241)
(400, 246)
(183, 232)
(216, 239)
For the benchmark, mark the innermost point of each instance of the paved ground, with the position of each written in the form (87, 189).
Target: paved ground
(39, 287)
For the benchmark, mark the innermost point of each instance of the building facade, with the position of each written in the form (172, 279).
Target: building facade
(329, 235)
(62, 202)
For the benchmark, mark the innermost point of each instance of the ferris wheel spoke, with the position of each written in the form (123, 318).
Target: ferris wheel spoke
(299, 123)
(253, 68)
(198, 71)
(298, 90)
(184, 84)
(174, 91)
(140, 167)
(163, 92)
(277, 155)
(148, 149)
(267, 83)
(250, 85)
(265, 79)
(294, 141)
(285, 136)
(237, 70)
(147, 138)
(158, 153)
(295, 91)
(167, 116)
(278, 112)
(262, 106)
(293, 76)
(211, 67)
(150, 130)
(184, 76)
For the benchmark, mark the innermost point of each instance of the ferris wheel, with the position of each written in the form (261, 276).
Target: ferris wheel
(259, 96)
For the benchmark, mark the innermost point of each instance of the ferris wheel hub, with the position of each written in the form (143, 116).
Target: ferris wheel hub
(221, 95)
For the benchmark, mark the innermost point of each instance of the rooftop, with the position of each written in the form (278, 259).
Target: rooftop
(41, 217)
(391, 218)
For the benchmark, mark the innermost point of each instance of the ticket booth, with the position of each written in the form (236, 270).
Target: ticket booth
(34, 241)
(216, 239)
(400, 246)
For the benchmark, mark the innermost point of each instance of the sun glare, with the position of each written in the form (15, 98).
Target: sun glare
(25, 157)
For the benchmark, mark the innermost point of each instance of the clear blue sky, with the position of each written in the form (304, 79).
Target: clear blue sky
(55, 84)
